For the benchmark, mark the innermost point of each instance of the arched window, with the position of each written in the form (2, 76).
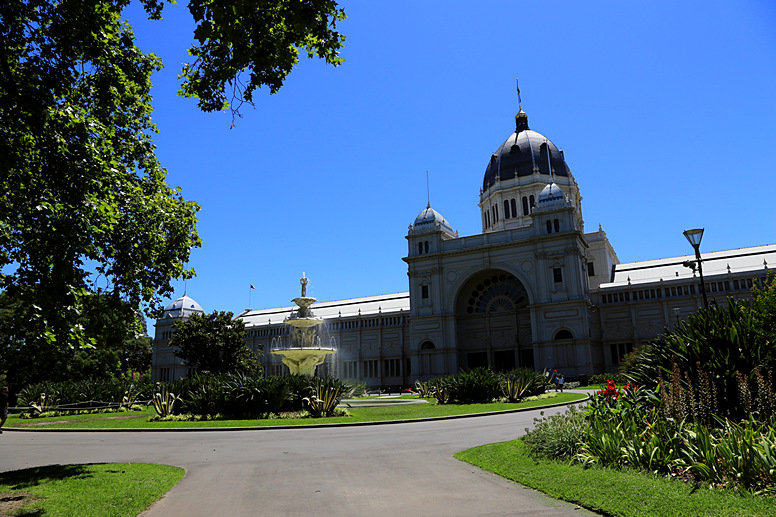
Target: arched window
(427, 345)
(514, 208)
(420, 248)
(425, 245)
(549, 226)
(506, 209)
(564, 334)
(557, 225)
(532, 201)
(525, 205)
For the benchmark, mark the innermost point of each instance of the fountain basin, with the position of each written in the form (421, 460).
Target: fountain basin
(302, 361)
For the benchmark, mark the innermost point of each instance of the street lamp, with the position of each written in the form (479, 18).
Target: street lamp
(694, 238)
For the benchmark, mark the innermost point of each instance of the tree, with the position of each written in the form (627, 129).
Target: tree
(84, 197)
(114, 333)
(84, 204)
(213, 343)
(258, 37)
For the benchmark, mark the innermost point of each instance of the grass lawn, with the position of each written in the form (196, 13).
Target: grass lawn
(610, 492)
(115, 489)
(139, 419)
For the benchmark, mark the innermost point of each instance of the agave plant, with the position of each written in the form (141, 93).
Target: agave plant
(164, 403)
(325, 395)
(522, 382)
(44, 403)
(423, 389)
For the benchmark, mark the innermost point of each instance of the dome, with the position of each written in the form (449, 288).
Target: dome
(524, 153)
(183, 306)
(430, 220)
(550, 194)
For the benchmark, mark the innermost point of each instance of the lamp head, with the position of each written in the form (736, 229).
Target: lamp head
(694, 237)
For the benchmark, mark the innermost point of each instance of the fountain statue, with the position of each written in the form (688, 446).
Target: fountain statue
(305, 352)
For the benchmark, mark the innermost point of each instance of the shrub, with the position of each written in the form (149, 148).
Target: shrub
(479, 385)
(324, 395)
(522, 382)
(720, 343)
(557, 436)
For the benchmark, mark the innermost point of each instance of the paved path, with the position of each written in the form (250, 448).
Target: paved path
(403, 469)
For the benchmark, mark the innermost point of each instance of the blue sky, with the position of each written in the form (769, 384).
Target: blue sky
(665, 110)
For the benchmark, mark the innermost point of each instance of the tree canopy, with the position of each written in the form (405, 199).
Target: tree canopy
(213, 343)
(85, 205)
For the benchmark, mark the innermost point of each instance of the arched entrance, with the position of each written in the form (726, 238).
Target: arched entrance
(493, 324)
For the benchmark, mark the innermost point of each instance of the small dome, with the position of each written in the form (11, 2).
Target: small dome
(551, 195)
(182, 307)
(524, 153)
(430, 220)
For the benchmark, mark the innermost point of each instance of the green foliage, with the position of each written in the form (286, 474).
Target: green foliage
(277, 393)
(479, 385)
(117, 344)
(602, 378)
(256, 37)
(85, 199)
(164, 403)
(423, 389)
(88, 393)
(440, 389)
(324, 396)
(628, 428)
(214, 343)
(557, 436)
(721, 342)
(522, 382)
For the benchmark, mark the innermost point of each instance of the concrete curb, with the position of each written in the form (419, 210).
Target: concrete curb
(285, 427)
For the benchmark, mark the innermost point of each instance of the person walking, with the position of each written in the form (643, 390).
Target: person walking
(3, 406)
(560, 382)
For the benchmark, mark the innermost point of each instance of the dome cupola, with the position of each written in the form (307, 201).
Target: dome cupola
(183, 307)
(429, 220)
(524, 153)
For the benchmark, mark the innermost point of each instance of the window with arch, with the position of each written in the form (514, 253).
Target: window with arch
(525, 206)
(425, 246)
(557, 225)
(532, 201)
(564, 334)
(498, 292)
(514, 207)
(427, 345)
(549, 226)
(506, 209)
(420, 248)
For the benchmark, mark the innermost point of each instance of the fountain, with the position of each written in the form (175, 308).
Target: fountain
(305, 352)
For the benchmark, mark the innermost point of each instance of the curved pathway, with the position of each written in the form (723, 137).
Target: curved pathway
(402, 469)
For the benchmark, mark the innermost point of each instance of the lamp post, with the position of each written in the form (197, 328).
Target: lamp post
(694, 238)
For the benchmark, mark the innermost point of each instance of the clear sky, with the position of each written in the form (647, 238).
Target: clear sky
(666, 112)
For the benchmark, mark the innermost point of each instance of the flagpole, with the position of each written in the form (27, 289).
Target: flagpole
(250, 292)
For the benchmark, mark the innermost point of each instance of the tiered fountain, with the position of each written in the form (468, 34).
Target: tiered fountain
(305, 352)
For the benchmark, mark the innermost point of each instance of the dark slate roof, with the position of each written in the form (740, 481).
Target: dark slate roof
(524, 154)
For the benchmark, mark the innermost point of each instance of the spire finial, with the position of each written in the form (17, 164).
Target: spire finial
(521, 119)
(428, 190)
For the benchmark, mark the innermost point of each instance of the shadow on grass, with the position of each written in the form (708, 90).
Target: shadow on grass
(26, 478)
